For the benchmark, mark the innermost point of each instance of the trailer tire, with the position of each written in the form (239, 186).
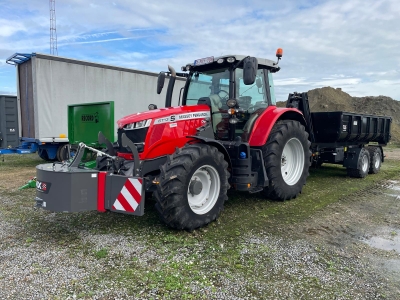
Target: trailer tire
(363, 165)
(43, 154)
(375, 154)
(192, 187)
(287, 159)
(62, 152)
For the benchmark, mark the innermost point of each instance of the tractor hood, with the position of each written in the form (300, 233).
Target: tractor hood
(162, 115)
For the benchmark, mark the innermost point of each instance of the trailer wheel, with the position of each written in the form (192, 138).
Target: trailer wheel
(287, 159)
(44, 155)
(375, 154)
(192, 187)
(62, 152)
(362, 165)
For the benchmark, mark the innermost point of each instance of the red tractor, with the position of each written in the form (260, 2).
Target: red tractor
(227, 133)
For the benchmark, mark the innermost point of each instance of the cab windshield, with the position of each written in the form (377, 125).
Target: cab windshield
(214, 84)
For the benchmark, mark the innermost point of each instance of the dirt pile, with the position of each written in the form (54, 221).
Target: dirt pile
(331, 99)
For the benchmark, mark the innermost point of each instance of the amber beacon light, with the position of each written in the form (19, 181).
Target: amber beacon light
(279, 52)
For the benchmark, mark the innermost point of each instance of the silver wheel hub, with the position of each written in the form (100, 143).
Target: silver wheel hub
(377, 160)
(203, 189)
(292, 161)
(365, 163)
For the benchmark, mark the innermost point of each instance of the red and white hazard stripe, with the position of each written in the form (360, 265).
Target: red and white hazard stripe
(129, 197)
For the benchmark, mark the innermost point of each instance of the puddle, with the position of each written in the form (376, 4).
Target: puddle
(393, 195)
(394, 187)
(389, 244)
(392, 265)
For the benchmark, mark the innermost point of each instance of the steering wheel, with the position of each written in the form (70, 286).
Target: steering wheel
(226, 97)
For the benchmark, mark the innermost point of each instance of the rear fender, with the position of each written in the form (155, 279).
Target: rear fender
(217, 145)
(263, 125)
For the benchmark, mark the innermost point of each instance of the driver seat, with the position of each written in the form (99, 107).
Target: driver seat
(214, 102)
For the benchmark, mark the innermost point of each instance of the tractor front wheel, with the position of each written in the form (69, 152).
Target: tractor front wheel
(192, 187)
(287, 160)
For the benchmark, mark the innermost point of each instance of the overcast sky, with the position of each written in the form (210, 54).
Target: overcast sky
(354, 44)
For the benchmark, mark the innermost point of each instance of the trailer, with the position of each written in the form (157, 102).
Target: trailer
(228, 133)
(352, 140)
(10, 142)
(47, 85)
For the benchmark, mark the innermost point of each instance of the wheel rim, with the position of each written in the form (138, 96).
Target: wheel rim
(205, 200)
(377, 160)
(365, 163)
(292, 161)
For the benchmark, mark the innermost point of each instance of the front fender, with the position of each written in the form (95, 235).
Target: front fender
(263, 125)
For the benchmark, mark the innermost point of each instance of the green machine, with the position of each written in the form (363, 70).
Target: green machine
(86, 120)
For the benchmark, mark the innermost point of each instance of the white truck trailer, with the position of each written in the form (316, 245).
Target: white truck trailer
(47, 85)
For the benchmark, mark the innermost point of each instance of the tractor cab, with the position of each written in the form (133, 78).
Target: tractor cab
(235, 87)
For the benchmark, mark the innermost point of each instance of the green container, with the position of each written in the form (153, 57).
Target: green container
(86, 120)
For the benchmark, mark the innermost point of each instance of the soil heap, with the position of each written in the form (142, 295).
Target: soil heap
(331, 99)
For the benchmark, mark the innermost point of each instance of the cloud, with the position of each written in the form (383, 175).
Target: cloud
(349, 44)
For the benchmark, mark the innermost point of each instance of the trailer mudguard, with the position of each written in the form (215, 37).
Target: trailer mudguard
(125, 194)
(351, 157)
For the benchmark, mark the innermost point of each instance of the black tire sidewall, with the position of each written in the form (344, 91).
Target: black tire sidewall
(172, 203)
(372, 153)
(290, 190)
(363, 153)
(282, 132)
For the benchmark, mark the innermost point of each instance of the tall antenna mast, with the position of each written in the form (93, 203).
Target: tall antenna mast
(53, 32)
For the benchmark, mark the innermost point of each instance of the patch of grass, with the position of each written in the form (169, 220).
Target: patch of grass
(102, 253)
(186, 262)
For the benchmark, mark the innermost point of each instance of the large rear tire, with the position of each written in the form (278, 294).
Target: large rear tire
(287, 158)
(192, 188)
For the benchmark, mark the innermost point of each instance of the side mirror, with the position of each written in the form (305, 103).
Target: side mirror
(152, 106)
(250, 65)
(160, 82)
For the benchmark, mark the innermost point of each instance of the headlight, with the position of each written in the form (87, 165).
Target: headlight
(220, 61)
(231, 102)
(138, 125)
(230, 59)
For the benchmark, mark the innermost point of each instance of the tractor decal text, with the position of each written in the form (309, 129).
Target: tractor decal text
(187, 116)
(130, 196)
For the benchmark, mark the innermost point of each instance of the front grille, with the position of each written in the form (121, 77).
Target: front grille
(136, 135)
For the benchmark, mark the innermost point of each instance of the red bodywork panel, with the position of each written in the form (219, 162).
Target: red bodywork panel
(264, 123)
(169, 128)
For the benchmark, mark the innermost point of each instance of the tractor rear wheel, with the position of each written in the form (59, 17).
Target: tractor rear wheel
(375, 154)
(287, 160)
(192, 187)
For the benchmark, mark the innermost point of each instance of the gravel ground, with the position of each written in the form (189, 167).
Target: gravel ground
(87, 256)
